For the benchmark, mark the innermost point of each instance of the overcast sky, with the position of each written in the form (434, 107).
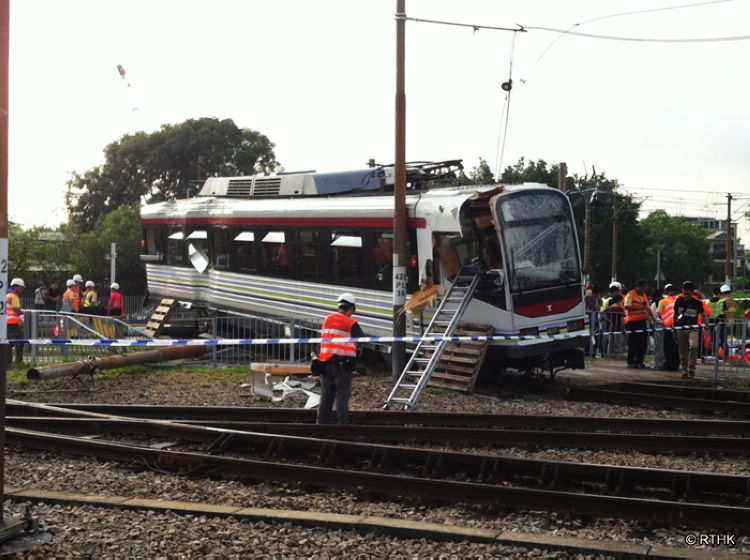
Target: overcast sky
(670, 121)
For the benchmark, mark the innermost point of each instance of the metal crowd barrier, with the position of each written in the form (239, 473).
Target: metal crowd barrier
(723, 344)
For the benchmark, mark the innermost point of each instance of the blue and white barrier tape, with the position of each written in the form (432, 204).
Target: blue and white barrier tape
(340, 340)
(264, 341)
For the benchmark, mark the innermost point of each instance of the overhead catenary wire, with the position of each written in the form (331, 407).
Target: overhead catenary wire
(504, 115)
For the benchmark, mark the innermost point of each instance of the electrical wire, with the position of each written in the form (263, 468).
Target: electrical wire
(644, 39)
(505, 115)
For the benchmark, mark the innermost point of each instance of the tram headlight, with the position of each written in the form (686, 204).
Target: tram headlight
(531, 331)
(576, 325)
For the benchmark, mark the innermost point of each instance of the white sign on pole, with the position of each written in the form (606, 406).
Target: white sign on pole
(399, 285)
(3, 288)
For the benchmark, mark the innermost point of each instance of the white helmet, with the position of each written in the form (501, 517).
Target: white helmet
(114, 286)
(725, 289)
(70, 283)
(77, 278)
(89, 283)
(615, 285)
(18, 282)
(346, 297)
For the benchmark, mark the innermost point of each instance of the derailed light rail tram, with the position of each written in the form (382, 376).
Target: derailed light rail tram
(285, 246)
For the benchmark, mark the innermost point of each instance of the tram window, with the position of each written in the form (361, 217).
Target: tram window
(276, 255)
(383, 257)
(176, 248)
(243, 258)
(155, 238)
(220, 247)
(348, 261)
(307, 256)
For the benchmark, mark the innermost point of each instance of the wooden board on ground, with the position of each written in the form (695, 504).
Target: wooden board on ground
(160, 316)
(460, 363)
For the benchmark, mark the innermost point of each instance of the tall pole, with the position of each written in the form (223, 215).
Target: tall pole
(614, 240)
(587, 239)
(4, 347)
(728, 246)
(398, 359)
(562, 174)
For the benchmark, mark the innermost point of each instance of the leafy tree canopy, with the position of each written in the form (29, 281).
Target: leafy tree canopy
(166, 164)
(684, 246)
(480, 175)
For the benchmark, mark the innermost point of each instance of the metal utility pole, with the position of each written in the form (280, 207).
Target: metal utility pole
(562, 175)
(587, 237)
(112, 261)
(4, 346)
(728, 246)
(614, 240)
(398, 357)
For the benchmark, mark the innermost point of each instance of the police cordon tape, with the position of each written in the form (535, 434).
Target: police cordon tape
(339, 340)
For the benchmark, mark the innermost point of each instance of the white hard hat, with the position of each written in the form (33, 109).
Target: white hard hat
(70, 283)
(17, 282)
(89, 283)
(725, 289)
(114, 286)
(77, 278)
(615, 285)
(346, 297)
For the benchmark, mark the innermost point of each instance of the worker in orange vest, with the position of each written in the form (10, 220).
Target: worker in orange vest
(665, 312)
(69, 297)
(338, 358)
(15, 317)
(637, 314)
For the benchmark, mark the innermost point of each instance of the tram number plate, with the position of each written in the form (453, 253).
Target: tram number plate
(399, 285)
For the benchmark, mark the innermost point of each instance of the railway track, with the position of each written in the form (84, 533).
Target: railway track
(391, 418)
(697, 399)
(600, 490)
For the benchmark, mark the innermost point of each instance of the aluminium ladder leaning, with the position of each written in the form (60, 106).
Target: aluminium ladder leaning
(426, 356)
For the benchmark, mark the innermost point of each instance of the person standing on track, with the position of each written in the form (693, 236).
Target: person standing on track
(637, 314)
(339, 359)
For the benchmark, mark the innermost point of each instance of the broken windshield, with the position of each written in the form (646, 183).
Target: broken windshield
(540, 239)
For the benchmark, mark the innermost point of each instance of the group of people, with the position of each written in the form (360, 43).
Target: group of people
(79, 297)
(677, 318)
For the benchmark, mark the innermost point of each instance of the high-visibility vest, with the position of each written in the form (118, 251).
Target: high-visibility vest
(70, 297)
(666, 310)
(76, 297)
(337, 325)
(639, 314)
(13, 302)
(716, 307)
(90, 299)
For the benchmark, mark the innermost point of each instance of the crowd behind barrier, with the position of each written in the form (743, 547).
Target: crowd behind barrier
(723, 345)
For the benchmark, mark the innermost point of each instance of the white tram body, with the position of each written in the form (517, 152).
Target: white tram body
(287, 245)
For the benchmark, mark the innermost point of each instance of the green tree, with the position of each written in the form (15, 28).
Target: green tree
(684, 246)
(37, 254)
(168, 163)
(480, 175)
(90, 254)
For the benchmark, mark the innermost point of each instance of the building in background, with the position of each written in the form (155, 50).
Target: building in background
(717, 235)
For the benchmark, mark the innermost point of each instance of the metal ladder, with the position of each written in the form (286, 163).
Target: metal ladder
(413, 380)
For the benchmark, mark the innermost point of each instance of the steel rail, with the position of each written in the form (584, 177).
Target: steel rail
(432, 434)
(399, 418)
(435, 462)
(673, 512)
(658, 401)
(681, 391)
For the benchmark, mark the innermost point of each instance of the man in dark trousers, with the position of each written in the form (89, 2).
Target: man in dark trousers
(338, 358)
(687, 311)
(637, 314)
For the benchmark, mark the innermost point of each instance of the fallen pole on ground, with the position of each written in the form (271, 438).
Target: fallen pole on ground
(92, 365)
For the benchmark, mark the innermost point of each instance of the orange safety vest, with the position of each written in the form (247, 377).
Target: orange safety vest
(337, 325)
(667, 310)
(13, 302)
(70, 295)
(639, 314)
